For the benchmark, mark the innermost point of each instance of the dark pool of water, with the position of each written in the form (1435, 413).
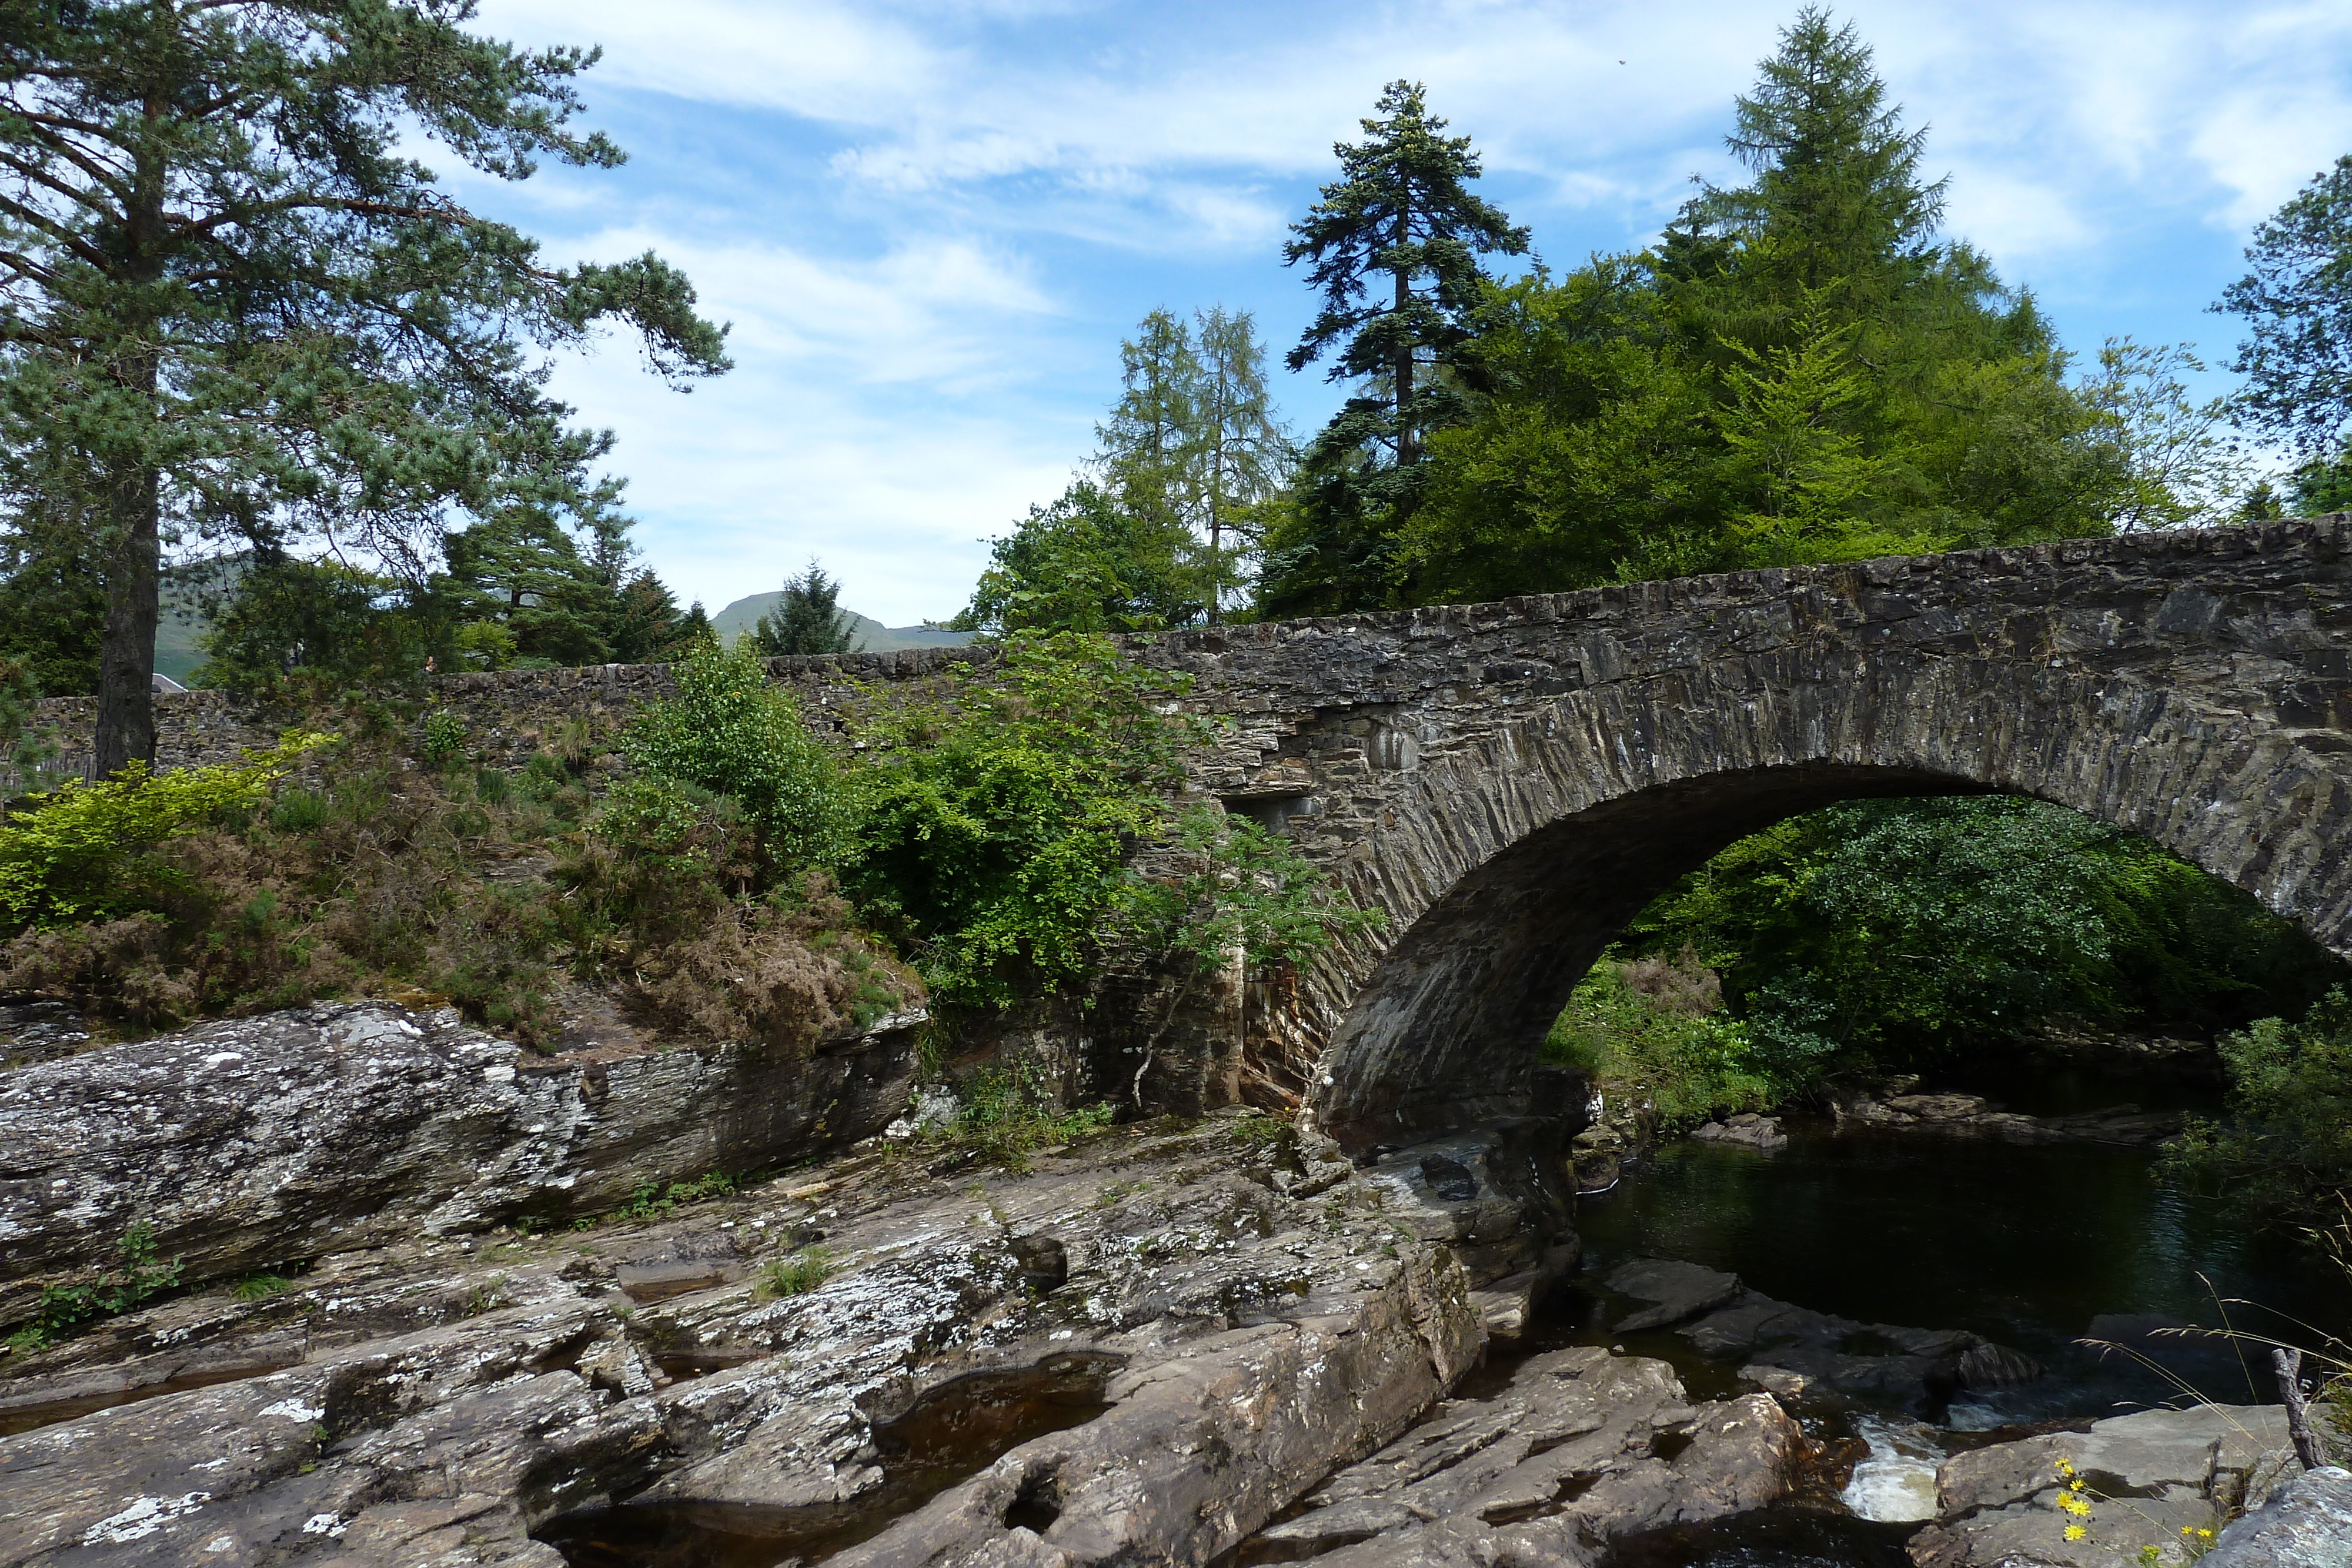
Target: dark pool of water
(2034, 1245)
(1776, 1539)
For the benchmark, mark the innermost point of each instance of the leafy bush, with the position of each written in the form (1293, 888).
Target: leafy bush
(2287, 1146)
(996, 822)
(67, 856)
(1653, 1033)
(730, 732)
(1010, 1112)
(1892, 928)
(66, 1304)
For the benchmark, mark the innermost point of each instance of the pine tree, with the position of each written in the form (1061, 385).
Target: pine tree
(1836, 203)
(2297, 302)
(232, 304)
(805, 620)
(1394, 245)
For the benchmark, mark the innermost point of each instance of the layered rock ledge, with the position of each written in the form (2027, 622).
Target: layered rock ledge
(262, 1143)
(1144, 1348)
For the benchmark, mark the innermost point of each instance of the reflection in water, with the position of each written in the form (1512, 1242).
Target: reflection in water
(2034, 1245)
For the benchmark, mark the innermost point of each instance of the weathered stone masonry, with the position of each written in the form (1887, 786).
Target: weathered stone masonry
(1509, 783)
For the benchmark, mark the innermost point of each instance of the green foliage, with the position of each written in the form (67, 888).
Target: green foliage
(71, 854)
(796, 1273)
(316, 623)
(1652, 1034)
(652, 1200)
(1224, 887)
(729, 731)
(67, 1305)
(2286, 1147)
(1799, 369)
(806, 620)
(996, 822)
(52, 593)
(1015, 828)
(444, 737)
(260, 1287)
(272, 332)
(1089, 563)
(1394, 244)
(1892, 928)
(1008, 1113)
(2298, 303)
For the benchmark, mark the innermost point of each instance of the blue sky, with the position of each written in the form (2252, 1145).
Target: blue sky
(931, 224)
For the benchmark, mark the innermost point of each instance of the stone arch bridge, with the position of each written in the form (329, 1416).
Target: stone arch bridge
(1511, 782)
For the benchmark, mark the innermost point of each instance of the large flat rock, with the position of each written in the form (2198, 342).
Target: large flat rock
(2146, 1476)
(255, 1143)
(1230, 1323)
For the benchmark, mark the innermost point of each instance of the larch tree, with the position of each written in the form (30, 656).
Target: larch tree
(1148, 442)
(234, 305)
(1394, 246)
(1242, 455)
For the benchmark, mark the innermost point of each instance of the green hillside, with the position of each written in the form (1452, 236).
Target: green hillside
(873, 637)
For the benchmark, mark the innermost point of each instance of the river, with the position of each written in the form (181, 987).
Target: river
(2037, 1246)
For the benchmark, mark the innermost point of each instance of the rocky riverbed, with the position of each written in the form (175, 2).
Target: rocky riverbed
(1143, 1347)
(1185, 1343)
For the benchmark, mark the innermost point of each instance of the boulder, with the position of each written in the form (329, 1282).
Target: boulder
(1747, 1130)
(2305, 1523)
(1579, 1448)
(2146, 1476)
(1789, 1349)
(259, 1143)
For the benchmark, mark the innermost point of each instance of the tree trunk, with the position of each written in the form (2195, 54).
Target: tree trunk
(2288, 1364)
(126, 668)
(126, 655)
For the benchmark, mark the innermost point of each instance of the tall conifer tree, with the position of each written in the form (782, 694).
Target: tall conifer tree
(1394, 246)
(231, 302)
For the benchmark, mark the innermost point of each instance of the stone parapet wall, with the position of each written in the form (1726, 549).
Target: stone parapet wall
(509, 713)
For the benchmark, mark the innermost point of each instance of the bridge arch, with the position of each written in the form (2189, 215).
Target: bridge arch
(1510, 783)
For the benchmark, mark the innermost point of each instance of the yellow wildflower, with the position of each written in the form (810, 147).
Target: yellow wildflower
(2076, 1533)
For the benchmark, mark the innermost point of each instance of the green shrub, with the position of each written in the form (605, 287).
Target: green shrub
(300, 811)
(66, 1305)
(67, 856)
(444, 737)
(730, 732)
(1653, 1033)
(260, 1287)
(2287, 1144)
(1010, 1112)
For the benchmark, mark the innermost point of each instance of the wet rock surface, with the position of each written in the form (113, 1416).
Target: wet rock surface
(1578, 1448)
(260, 1143)
(1235, 1319)
(1746, 1130)
(1972, 1115)
(2147, 1477)
(1793, 1350)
